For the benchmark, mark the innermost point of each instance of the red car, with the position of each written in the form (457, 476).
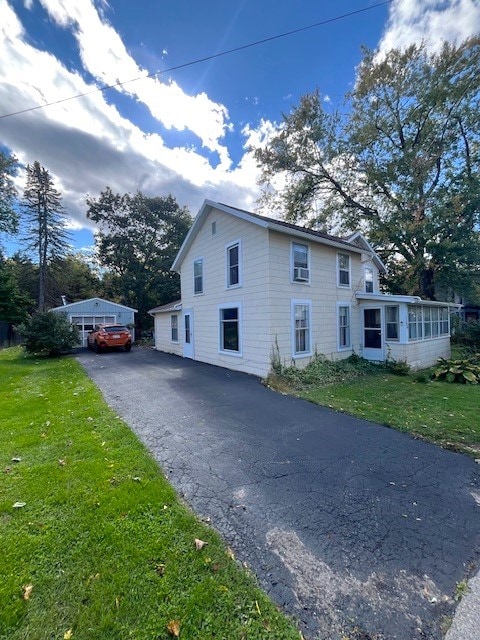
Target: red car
(104, 336)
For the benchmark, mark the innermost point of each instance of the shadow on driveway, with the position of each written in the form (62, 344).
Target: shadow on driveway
(354, 528)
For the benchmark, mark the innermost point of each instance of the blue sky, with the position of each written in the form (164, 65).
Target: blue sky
(185, 132)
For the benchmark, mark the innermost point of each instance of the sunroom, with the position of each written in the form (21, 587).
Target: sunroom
(404, 328)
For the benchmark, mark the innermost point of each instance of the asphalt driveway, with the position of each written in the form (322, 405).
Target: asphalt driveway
(355, 529)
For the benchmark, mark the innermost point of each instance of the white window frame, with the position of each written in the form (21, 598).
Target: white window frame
(174, 315)
(347, 255)
(292, 262)
(228, 247)
(294, 304)
(348, 306)
(369, 269)
(195, 262)
(220, 308)
(433, 326)
(397, 307)
(418, 323)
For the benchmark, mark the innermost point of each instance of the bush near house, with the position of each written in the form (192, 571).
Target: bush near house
(49, 334)
(463, 371)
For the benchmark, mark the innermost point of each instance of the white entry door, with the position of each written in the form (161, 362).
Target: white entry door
(373, 334)
(188, 344)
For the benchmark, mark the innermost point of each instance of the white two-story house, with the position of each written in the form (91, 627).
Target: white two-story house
(254, 288)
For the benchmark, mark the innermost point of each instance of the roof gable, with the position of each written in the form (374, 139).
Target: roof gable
(266, 223)
(72, 305)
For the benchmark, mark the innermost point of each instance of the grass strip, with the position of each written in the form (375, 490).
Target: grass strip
(102, 547)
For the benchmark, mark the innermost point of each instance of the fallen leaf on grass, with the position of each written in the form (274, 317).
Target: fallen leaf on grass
(61, 462)
(16, 459)
(68, 635)
(19, 505)
(257, 608)
(230, 554)
(27, 591)
(173, 628)
(199, 544)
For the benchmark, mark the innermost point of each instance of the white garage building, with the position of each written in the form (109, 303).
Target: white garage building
(87, 313)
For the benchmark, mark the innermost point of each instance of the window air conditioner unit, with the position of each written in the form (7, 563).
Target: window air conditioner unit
(300, 274)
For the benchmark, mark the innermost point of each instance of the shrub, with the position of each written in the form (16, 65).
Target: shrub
(49, 334)
(464, 371)
(467, 334)
(397, 367)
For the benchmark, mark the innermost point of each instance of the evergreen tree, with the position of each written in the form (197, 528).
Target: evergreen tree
(45, 234)
(8, 216)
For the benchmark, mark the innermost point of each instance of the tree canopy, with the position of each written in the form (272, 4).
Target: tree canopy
(138, 238)
(8, 215)
(402, 164)
(45, 233)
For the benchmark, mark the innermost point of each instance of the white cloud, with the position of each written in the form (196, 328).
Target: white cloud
(433, 21)
(87, 144)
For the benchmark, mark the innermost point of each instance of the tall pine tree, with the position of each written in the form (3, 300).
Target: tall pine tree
(45, 234)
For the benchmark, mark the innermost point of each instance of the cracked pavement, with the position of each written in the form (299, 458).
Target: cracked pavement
(355, 529)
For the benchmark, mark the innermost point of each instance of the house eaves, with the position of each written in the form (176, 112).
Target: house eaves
(266, 223)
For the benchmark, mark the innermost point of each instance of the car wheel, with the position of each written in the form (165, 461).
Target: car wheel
(128, 346)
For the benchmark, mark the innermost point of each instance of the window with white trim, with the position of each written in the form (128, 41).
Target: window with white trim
(343, 264)
(198, 276)
(233, 265)
(174, 327)
(343, 314)
(230, 331)
(444, 321)
(392, 323)
(369, 286)
(415, 322)
(301, 332)
(300, 262)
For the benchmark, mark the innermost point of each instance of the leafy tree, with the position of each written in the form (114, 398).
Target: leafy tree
(72, 277)
(14, 304)
(48, 333)
(403, 164)
(137, 241)
(8, 216)
(45, 233)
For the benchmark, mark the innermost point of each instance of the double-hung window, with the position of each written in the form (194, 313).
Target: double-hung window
(300, 262)
(392, 322)
(174, 327)
(301, 328)
(198, 276)
(368, 279)
(343, 263)
(230, 329)
(344, 340)
(233, 265)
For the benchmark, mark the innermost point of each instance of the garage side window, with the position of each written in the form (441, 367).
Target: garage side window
(174, 327)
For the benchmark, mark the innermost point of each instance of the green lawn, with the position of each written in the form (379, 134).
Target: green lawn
(102, 547)
(448, 414)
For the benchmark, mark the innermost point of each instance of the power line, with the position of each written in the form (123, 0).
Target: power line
(199, 60)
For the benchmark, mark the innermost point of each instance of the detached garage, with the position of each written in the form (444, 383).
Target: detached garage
(87, 313)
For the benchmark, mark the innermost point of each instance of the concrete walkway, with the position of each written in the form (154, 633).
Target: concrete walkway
(357, 530)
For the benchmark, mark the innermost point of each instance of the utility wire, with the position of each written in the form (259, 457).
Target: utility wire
(199, 60)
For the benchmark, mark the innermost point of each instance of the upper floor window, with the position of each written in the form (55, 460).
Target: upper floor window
(368, 279)
(198, 276)
(343, 262)
(300, 262)
(233, 265)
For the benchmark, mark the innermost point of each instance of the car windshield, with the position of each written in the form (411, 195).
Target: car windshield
(114, 329)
